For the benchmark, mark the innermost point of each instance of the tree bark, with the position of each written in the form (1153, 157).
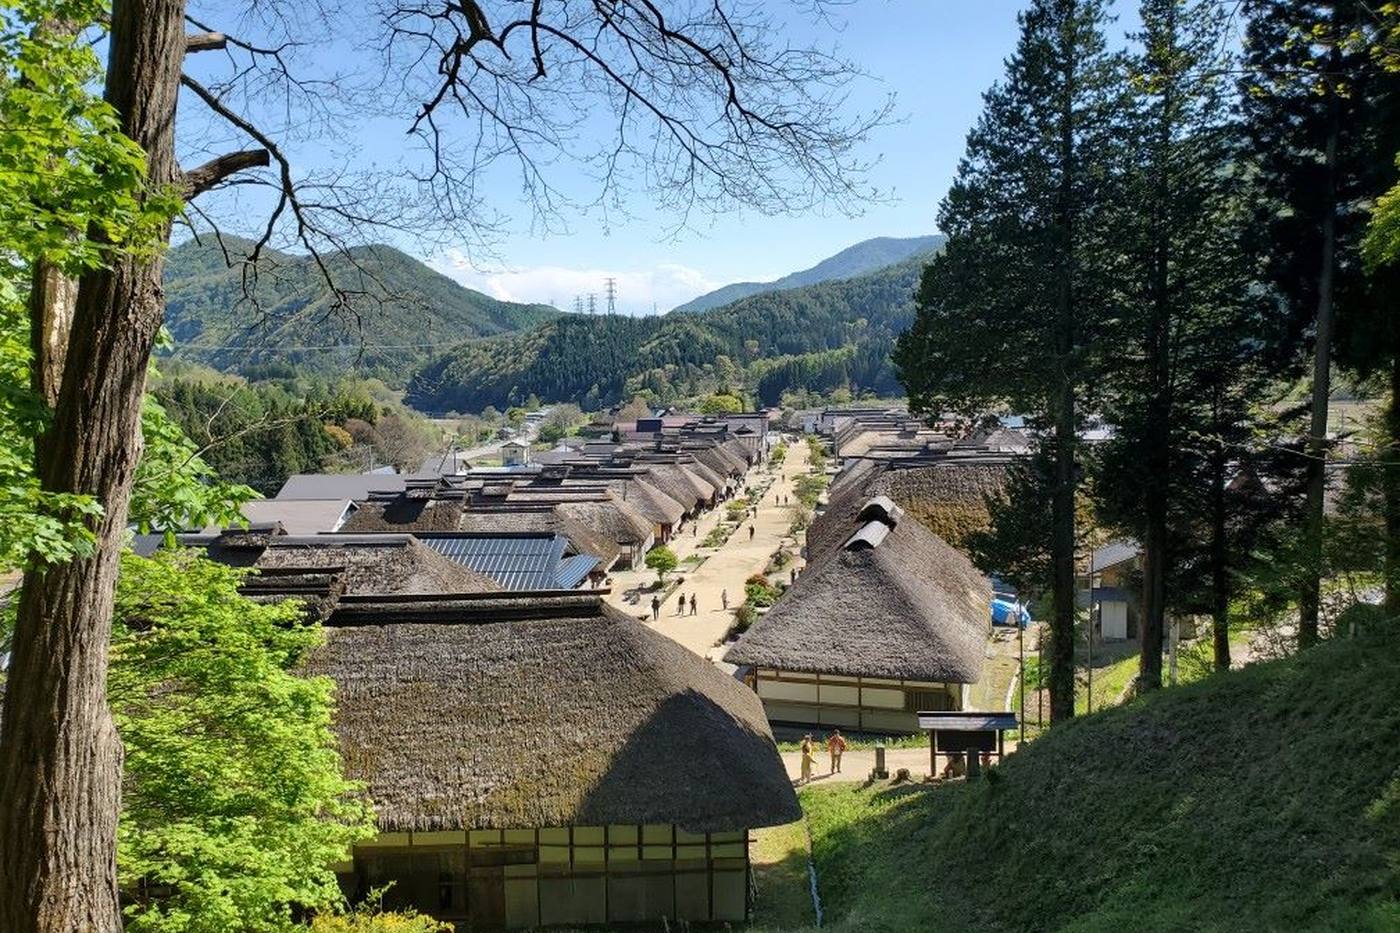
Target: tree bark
(60, 757)
(1390, 480)
(53, 297)
(1310, 593)
(1219, 555)
(1063, 543)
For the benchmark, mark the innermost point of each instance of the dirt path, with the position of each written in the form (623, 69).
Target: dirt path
(725, 569)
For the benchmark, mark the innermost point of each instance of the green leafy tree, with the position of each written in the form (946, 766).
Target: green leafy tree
(722, 404)
(1011, 312)
(662, 560)
(234, 806)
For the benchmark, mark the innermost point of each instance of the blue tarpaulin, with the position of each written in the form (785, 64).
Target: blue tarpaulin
(1009, 612)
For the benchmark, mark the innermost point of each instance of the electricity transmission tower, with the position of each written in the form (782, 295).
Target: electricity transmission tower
(611, 284)
(592, 303)
(578, 304)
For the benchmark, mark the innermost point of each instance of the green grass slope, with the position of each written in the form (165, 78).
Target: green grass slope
(864, 257)
(402, 313)
(1263, 799)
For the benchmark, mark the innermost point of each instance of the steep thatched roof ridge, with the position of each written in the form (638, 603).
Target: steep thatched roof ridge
(677, 483)
(736, 449)
(647, 499)
(395, 566)
(617, 520)
(889, 602)
(714, 479)
(719, 462)
(575, 716)
(706, 488)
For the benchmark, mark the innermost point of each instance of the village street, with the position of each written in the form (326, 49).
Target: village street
(725, 569)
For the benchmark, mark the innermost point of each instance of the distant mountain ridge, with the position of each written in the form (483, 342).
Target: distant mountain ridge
(815, 337)
(862, 258)
(402, 312)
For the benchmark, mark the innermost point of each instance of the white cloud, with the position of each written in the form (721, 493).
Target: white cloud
(663, 286)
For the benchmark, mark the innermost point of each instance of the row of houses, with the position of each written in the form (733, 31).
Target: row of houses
(535, 757)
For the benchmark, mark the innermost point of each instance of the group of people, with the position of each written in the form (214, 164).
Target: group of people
(680, 606)
(835, 747)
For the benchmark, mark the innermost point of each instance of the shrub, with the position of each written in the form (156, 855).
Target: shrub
(661, 559)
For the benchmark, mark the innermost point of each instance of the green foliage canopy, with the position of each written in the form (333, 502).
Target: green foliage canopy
(234, 806)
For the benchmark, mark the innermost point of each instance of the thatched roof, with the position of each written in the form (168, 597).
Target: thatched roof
(658, 507)
(947, 496)
(404, 514)
(582, 538)
(376, 564)
(715, 480)
(892, 601)
(678, 483)
(618, 520)
(736, 449)
(720, 461)
(546, 712)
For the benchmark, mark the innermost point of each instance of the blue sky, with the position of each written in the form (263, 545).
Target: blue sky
(935, 56)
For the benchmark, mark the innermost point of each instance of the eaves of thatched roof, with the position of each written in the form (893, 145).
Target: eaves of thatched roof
(893, 600)
(548, 711)
(658, 507)
(611, 517)
(677, 483)
(710, 477)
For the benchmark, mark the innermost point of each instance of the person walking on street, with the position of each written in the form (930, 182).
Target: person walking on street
(724, 599)
(693, 604)
(680, 607)
(750, 532)
(655, 608)
(836, 747)
(808, 759)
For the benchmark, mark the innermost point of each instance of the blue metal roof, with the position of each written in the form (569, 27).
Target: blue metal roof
(573, 570)
(516, 562)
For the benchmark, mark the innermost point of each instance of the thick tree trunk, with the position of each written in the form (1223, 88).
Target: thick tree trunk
(60, 758)
(53, 299)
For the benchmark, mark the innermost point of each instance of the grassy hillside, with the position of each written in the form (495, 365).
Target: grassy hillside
(1265, 799)
(862, 258)
(402, 312)
(818, 337)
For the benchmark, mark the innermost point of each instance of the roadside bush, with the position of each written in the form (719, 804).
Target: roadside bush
(759, 592)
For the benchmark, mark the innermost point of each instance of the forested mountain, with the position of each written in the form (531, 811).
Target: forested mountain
(400, 311)
(862, 258)
(817, 337)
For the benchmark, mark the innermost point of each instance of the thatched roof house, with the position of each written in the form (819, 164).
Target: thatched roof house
(619, 521)
(680, 484)
(947, 495)
(660, 509)
(893, 615)
(614, 771)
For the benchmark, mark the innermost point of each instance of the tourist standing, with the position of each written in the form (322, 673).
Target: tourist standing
(680, 608)
(724, 599)
(655, 608)
(808, 759)
(694, 603)
(836, 747)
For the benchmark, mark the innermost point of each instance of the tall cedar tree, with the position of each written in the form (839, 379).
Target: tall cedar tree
(1184, 336)
(1007, 313)
(1322, 139)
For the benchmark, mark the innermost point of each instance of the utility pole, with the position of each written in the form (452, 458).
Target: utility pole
(578, 304)
(592, 303)
(611, 285)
